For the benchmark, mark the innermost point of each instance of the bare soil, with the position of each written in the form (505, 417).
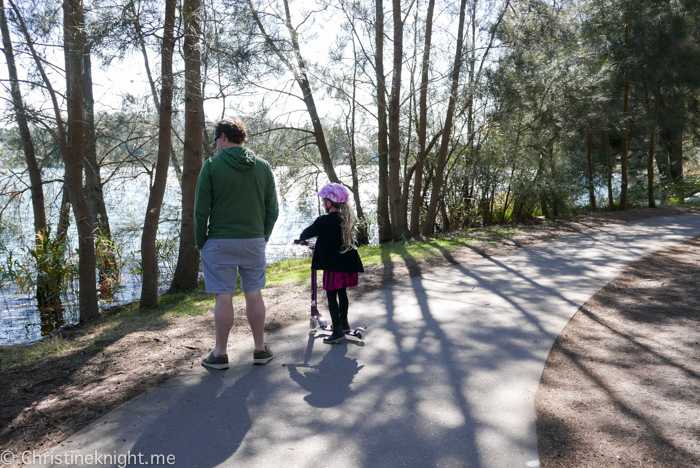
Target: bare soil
(621, 387)
(46, 401)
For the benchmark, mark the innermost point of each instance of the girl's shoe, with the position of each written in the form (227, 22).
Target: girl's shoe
(336, 337)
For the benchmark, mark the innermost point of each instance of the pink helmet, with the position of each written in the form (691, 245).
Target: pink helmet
(334, 192)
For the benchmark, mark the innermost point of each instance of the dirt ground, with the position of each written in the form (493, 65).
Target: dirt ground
(621, 387)
(608, 415)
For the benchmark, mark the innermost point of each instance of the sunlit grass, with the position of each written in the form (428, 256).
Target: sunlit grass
(413, 250)
(295, 270)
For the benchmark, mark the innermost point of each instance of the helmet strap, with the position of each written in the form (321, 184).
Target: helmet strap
(328, 204)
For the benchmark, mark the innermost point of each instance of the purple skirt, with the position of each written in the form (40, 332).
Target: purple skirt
(333, 280)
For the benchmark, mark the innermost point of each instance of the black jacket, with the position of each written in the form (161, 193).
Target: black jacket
(327, 254)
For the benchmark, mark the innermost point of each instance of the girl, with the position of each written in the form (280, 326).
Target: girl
(336, 254)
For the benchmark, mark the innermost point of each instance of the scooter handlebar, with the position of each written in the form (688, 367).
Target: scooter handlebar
(304, 242)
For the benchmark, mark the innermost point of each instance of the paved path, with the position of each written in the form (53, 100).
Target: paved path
(447, 377)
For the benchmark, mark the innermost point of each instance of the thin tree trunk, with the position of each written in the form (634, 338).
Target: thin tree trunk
(63, 214)
(35, 182)
(652, 136)
(93, 180)
(625, 112)
(422, 122)
(429, 226)
(383, 217)
(674, 143)
(302, 79)
(399, 222)
(61, 138)
(107, 263)
(303, 82)
(650, 169)
(149, 259)
(74, 40)
(361, 227)
(611, 198)
(591, 185)
(187, 269)
(154, 93)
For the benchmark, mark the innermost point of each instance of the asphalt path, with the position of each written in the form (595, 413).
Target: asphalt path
(446, 377)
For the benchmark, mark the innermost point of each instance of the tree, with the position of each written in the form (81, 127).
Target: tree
(74, 40)
(429, 226)
(422, 123)
(35, 181)
(187, 270)
(298, 68)
(383, 216)
(149, 259)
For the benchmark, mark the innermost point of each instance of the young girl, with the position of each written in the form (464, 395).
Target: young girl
(336, 254)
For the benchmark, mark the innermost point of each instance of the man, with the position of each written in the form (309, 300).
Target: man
(235, 210)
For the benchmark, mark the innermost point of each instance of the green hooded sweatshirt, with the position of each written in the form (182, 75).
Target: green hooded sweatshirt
(236, 197)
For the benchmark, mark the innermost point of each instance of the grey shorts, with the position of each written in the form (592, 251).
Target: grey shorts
(223, 258)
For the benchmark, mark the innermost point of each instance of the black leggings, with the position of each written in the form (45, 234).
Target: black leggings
(338, 305)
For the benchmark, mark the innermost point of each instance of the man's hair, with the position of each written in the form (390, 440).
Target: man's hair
(233, 129)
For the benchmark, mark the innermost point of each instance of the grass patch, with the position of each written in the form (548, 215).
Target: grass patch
(412, 250)
(295, 270)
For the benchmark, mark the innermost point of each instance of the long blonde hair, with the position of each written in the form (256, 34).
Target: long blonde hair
(347, 225)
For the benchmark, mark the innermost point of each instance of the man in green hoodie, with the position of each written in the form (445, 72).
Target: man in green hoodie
(235, 210)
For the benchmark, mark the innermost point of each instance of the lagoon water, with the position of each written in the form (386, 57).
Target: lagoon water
(126, 197)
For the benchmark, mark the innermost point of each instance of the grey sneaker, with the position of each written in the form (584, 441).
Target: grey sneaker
(263, 357)
(219, 362)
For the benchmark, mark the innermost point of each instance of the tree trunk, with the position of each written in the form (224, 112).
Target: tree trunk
(93, 180)
(429, 227)
(361, 227)
(673, 139)
(591, 184)
(149, 259)
(422, 123)
(383, 218)
(303, 82)
(35, 182)
(399, 222)
(652, 131)
(154, 93)
(650, 169)
(108, 270)
(61, 138)
(611, 198)
(63, 214)
(74, 27)
(187, 269)
(625, 113)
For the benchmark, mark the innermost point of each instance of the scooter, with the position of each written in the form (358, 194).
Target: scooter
(317, 321)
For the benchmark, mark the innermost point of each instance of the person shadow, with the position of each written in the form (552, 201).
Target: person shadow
(207, 422)
(328, 382)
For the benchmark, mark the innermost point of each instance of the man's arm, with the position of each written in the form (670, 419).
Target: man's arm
(271, 207)
(202, 205)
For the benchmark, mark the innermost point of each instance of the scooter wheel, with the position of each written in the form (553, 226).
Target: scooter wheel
(312, 323)
(360, 334)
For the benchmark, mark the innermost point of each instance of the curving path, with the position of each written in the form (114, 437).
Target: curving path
(447, 377)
